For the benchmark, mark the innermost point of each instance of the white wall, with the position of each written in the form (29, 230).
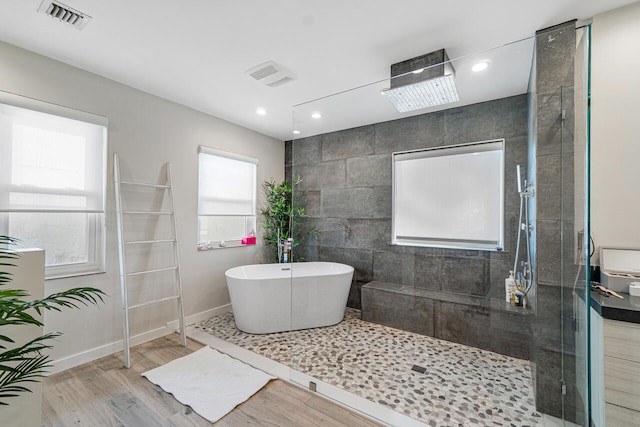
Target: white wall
(146, 131)
(615, 128)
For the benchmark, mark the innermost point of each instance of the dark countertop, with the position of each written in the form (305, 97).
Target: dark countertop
(626, 310)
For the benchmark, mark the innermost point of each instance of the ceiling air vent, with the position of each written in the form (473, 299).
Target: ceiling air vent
(271, 74)
(64, 13)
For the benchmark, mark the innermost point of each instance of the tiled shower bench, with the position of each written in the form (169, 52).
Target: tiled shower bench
(487, 323)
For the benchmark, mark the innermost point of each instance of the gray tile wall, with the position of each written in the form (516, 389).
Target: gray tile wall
(347, 176)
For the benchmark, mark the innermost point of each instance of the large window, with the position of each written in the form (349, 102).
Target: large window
(450, 197)
(226, 198)
(52, 183)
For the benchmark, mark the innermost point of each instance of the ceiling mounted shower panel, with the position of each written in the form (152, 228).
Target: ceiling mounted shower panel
(422, 82)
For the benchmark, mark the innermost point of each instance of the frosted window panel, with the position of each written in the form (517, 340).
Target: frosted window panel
(449, 197)
(218, 228)
(65, 236)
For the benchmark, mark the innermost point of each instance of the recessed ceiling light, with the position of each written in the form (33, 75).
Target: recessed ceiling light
(261, 111)
(418, 71)
(296, 132)
(480, 66)
(316, 115)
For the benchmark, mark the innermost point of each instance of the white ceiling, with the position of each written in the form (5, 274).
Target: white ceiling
(196, 52)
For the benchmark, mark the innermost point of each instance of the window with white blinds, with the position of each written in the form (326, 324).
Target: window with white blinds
(52, 182)
(226, 197)
(450, 197)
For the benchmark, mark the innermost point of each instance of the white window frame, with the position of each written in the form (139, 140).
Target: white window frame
(95, 218)
(429, 194)
(249, 217)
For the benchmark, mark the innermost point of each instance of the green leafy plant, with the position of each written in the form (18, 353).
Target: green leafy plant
(26, 363)
(284, 214)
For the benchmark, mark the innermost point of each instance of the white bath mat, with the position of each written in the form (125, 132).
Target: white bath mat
(210, 382)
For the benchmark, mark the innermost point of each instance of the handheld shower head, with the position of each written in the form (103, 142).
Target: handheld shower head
(518, 177)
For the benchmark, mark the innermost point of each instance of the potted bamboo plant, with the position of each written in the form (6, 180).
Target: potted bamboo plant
(283, 216)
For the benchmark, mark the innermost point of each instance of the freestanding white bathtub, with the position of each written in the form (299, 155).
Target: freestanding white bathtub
(262, 295)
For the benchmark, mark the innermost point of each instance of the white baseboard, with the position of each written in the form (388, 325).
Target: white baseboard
(114, 347)
(105, 350)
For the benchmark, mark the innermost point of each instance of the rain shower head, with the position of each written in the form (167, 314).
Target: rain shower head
(422, 82)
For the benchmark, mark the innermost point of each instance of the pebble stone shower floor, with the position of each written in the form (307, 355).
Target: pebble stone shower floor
(461, 385)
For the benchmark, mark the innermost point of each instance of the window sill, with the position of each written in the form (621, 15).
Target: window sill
(466, 246)
(61, 275)
(210, 246)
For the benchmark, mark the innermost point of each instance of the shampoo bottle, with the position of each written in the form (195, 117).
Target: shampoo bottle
(510, 288)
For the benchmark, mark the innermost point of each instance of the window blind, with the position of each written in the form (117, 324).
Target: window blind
(49, 161)
(226, 183)
(449, 197)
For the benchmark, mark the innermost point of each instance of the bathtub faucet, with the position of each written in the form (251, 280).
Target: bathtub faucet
(288, 245)
(280, 247)
(284, 249)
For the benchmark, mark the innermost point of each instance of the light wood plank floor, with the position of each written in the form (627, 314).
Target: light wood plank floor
(104, 393)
